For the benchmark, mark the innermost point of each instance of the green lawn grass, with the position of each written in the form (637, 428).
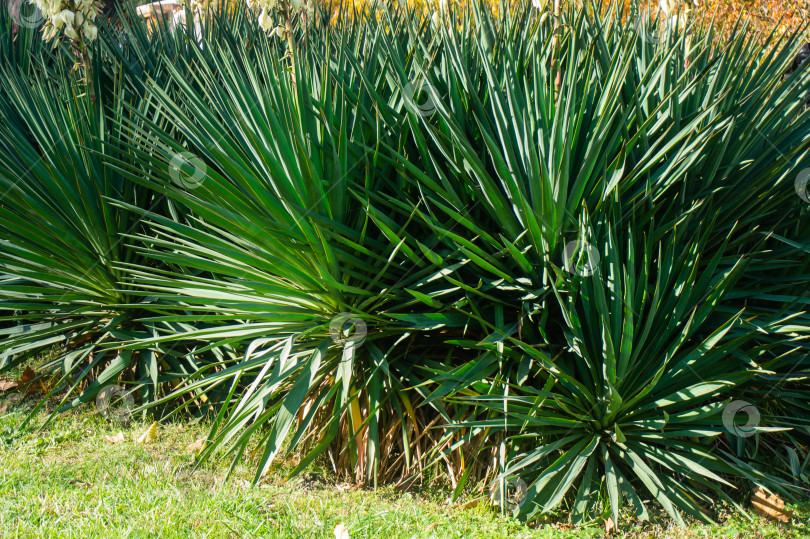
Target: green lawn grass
(66, 481)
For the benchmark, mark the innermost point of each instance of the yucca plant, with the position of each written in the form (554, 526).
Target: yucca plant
(409, 245)
(642, 155)
(283, 162)
(626, 394)
(19, 35)
(515, 236)
(61, 237)
(62, 234)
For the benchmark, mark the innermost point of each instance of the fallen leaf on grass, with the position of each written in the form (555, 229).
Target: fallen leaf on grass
(117, 439)
(78, 483)
(28, 375)
(771, 507)
(610, 526)
(341, 532)
(434, 525)
(197, 446)
(6, 384)
(149, 435)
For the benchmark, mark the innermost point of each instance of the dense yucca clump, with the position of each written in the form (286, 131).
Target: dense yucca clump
(418, 244)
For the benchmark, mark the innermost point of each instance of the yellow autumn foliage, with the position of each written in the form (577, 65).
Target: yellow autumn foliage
(763, 16)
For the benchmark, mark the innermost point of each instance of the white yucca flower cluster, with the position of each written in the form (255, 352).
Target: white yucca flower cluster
(73, 18)
(268, 7)
(198, 7)
(677, 11)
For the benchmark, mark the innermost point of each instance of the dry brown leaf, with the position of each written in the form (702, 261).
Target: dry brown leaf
(434, 525)
(341, 532)
(6, 385)
(78, 483)
(117, 439)
(771, 507)
(610, 526)
(27, 378)
(28, 375)
(149, 435)
(196, 447)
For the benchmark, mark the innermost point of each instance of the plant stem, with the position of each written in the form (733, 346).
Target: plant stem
(87, 64)
(556, 53)
(291, 44)
(88, 75)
